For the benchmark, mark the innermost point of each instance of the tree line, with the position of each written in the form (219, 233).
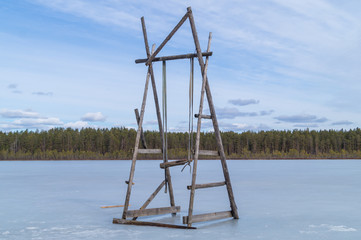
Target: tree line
(118, 143)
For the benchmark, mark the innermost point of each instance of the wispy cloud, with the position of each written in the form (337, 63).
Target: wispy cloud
(342, 123)
(104, 12)
(303, 118)
(231, 113)
(310, 125)
(243, 102)
(265, 113)
(12, 86)
(43, 93)
(6, 113)
(94, 117)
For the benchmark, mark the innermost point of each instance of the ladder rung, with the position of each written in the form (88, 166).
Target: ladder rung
(208, 217)
(208, 185)
(208, 153)
(152, 211)
(149, 151)
(173, 163)
(203, 116)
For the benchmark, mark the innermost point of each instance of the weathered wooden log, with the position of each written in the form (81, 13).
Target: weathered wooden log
(152, 211)
(199, 122)
(153, 224)
(207, 185)
(208, 217)
(136, 147)
(155, 95)
(208, 153)
(214, 119)
(149, 151)
(203, 116)
(173, 57)
(173, 163)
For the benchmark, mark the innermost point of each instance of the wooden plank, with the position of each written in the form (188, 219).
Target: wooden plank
(151, 197)
(173, 57)
(173, 163)
(214, 119)
(207, 185)
(150, 151)
(155, 95)
(208, 153)
(152, 211)
(203, 116)
(141, 131)
(207, 217)
(153, 224)
(204, 81)
(114, 206)
(170, 35)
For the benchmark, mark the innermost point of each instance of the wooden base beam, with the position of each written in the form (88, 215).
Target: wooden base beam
(208, 217)
(152, 211)
(154, 224)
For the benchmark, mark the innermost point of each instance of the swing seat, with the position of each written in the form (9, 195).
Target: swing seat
(173, 163)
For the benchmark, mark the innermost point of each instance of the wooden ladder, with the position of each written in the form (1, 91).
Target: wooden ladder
(143, 211)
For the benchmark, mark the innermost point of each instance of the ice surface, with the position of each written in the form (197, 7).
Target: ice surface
(303, 199)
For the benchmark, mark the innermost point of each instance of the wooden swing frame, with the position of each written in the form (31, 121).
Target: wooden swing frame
(173, 209)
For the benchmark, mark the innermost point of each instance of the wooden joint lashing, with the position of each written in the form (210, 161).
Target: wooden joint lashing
(173, 163)
(173, 57)
(152, 211)
(208, 153)
(127, 182)
(203, 116)
(208, 217)
(207, 185)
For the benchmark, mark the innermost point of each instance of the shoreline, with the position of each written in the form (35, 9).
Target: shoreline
(230, 159)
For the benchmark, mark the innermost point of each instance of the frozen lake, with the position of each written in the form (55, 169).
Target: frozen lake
(299, 199)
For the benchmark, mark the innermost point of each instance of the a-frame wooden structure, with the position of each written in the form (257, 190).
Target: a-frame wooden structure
(144, 211)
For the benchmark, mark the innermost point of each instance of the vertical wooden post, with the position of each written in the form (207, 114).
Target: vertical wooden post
(156, 101)
(214, 118)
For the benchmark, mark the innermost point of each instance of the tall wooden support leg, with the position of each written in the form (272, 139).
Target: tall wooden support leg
(135, 154)
(194, 174)
(214, 118)
(156, 101)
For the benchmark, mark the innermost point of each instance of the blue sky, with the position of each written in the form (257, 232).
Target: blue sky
(276, 64)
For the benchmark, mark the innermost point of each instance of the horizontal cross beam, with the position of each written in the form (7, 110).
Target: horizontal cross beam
(174, 57)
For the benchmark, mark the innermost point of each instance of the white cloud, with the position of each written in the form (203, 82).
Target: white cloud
(29, 122)
(78, 124)
(6, 113)
(94, 117)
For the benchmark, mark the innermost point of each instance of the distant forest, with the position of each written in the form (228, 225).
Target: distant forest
(118, 143)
